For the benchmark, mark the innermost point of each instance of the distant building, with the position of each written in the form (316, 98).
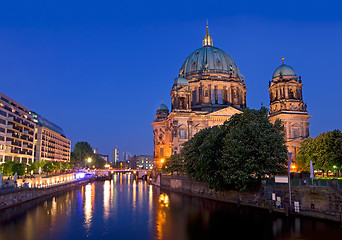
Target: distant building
(95, 150)
(16, 132)
(115, 155)
(51, 143)
(126, 156)
(141, 162)
(104, 157)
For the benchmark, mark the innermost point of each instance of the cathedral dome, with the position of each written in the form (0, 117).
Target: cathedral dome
(284, 70)
(163, 107)
(181, 81)
(210, 59)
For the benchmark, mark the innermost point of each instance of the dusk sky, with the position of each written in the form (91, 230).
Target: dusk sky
(100, 69)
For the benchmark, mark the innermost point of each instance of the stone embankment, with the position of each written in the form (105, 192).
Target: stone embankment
(19, 196)
(313, 201)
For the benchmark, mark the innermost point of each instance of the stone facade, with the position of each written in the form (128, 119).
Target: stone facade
(210, 89)
(286, 104)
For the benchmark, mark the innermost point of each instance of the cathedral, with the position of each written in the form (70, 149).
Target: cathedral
(210, 89)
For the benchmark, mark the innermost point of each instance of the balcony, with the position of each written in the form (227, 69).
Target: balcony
(11, 119)
(9, 127)
(8, 134)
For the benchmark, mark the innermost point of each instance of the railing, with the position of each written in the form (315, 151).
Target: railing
(315, 182)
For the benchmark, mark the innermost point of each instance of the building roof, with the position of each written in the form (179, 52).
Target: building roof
(209, 58)
(181, 81)
(43, 122)
(162, 107)
(284, 70)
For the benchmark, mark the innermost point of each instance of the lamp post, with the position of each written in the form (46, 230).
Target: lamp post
(89, 161)
(289, 176)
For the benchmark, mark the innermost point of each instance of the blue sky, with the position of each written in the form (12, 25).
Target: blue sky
(99, 69)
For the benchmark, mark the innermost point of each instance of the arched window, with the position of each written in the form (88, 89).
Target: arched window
(296, 130)
(182, 132)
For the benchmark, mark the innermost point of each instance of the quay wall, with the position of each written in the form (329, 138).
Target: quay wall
(314, 201)
(14, 198)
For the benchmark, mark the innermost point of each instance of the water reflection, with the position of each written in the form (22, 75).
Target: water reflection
(127, 208)
(106, 199)
(88, 205)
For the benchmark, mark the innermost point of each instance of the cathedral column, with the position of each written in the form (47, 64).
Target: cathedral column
(216, 97)
(209, 89)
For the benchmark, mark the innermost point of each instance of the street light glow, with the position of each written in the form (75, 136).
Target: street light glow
(89, 160)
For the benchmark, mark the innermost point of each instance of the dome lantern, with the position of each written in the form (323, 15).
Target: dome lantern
(207, 40)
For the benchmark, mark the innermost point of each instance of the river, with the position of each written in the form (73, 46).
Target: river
(126, 208)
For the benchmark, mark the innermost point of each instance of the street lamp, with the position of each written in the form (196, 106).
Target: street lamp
(89, 161)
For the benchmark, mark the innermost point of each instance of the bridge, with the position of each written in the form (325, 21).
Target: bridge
(141, 173)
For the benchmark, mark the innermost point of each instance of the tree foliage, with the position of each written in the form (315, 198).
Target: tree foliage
(253, 148)
(325, 151)
(81, 152)
(237, 153)
(175, 163)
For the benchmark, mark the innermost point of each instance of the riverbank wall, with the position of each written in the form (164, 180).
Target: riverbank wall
(312, 201)
(20, 196)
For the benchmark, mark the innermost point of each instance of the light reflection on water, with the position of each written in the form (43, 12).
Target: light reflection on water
(127, 208)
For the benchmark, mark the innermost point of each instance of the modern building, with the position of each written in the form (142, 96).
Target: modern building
(95, 150)
(115, 155)
(50, 141)
(104, 157)
(210, 89)
(126, 156)
(16, 132)
(141, 162)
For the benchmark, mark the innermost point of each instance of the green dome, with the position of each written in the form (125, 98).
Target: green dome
(163, 107)
(284, 70)
(181, 81)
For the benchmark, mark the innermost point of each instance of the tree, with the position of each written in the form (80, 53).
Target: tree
(98, 161)
(175, 163)
(237, 153)
(253, 148)
(7, 168)
(191, 152)
(81, 152)
(19, 168)
(49, 167)
(325, 152)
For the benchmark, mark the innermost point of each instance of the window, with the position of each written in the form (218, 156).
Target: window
(161, 152)
(3, 113)
(295, 132)
(182, 134)
(4, 99)
(219, 96)
(194, 97)
(213, 96)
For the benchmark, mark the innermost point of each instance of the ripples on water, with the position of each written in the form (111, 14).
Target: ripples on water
(126, 208)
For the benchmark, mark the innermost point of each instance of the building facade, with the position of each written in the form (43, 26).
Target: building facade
(50, 141)
(115, 155)
(141, 162)
(209, 90)
(17, 131)
(26, 137)
(286, 104)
